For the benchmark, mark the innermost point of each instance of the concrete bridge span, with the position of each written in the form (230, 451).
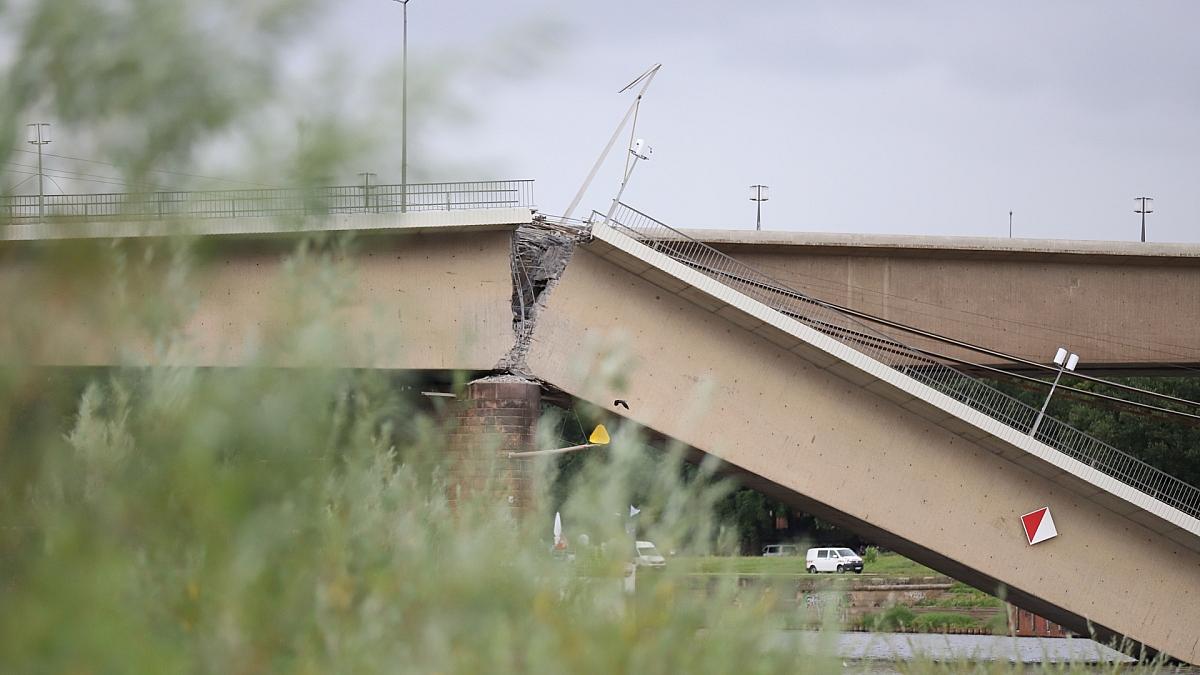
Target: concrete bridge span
(847, 444)
(1122, 306)
(416, 291)
(791, 410)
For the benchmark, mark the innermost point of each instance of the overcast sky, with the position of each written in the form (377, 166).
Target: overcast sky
(872, 116)
(913, 117)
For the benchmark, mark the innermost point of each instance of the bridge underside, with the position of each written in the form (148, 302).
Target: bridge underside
(787, 418)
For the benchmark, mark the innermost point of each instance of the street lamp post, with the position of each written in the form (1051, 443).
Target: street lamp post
(38, 134)
(1143, 211)
(404, 114)
(758, 193)
(1065, 361)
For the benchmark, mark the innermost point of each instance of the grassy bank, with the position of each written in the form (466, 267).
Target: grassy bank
(888, 564)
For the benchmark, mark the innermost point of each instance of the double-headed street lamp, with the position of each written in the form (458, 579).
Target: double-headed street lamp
(1065, 361)
(38, 134)
(1144, 211)
(639, 150)
(758, 193)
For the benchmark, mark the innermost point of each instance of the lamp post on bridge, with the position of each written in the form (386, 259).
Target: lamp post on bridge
(404, 113)
(639, 150)
(38, 134)
(1143, 211)
(1065, 361)
(758, 194)
(367, 176)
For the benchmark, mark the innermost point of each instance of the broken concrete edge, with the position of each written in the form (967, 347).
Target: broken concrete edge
(541, 251)
(505, 378)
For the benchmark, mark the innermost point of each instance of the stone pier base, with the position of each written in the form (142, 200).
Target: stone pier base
(496, 416)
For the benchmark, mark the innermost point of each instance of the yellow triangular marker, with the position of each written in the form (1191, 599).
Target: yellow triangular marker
(599, 435)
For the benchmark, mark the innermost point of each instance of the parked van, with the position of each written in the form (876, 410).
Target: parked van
(774, 550)
(832, 560)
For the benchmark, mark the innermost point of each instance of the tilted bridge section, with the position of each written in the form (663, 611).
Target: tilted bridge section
(820, 411)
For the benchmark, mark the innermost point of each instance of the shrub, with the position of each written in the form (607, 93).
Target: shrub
(871, 555)
(937, 621)
(893, 618)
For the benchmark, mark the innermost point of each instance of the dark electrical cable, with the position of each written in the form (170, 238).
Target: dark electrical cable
(899, 348)
(1008, 357)
(834, 286)
(775, 288)
(165, 171)
(83, 177)
(22, 182)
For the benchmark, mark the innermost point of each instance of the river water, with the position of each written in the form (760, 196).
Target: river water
(879, 652)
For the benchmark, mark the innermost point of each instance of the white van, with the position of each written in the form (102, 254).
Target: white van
(832, 560)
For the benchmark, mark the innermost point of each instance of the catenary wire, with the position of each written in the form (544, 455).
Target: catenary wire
(1097, 337)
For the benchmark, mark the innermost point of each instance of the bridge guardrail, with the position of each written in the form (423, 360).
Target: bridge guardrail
(898, 356)
(269, 201)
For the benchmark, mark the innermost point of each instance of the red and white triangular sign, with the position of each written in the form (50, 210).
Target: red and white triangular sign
(1039, 525)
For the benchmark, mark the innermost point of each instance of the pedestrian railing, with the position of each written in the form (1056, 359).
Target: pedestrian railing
(268, 202)
(904, 359)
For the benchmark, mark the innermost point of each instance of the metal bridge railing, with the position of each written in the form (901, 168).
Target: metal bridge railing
(270, 201)
(865, 339)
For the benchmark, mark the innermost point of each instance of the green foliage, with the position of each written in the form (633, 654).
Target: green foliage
(187, 69)
(749, 512)
(1168, 443)
(162, 518)
(900, 617)
(782, 565)
(894, 564)
(896, 617)
(941, 621)
(998, 624)
(871, 555)
(264, 519)
(963, 596)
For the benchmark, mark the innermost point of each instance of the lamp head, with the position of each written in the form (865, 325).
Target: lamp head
(641, 149)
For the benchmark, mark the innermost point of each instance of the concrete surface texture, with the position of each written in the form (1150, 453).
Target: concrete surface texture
(1120, 306)
(829, 446)
(405, 301)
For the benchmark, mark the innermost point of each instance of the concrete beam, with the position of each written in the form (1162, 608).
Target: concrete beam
(404, 299)
(1122, 306)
